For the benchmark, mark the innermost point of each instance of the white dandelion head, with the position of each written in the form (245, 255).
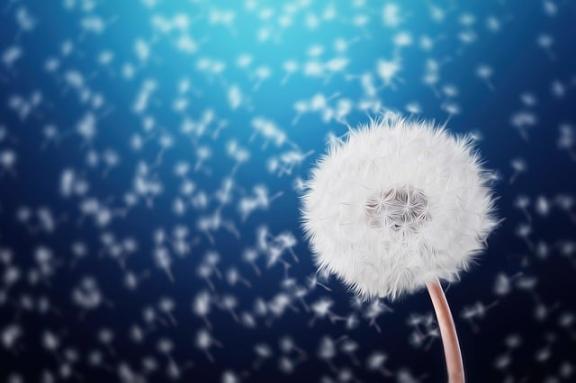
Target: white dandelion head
(397, 205)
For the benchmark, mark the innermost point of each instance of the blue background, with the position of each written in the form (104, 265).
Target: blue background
(523, 81)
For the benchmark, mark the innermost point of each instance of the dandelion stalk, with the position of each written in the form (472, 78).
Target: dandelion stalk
(452, 354)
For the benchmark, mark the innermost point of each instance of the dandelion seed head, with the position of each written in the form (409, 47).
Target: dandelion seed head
(400, 203)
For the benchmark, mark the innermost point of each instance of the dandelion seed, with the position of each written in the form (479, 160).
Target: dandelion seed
(164, 261)
(519, 166)
(376, 361)
(205, 341)
(485, 73)
(388, 71)
(546, 42)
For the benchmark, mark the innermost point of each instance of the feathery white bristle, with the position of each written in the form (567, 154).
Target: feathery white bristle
(398, 204)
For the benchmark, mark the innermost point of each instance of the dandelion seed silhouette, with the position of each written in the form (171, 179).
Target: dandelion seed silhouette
(399, 206)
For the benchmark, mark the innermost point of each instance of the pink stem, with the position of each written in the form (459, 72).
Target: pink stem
(454, 364)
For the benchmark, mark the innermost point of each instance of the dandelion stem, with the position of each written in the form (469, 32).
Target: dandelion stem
(454, 364)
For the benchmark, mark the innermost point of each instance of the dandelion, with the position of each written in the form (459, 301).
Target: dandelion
(400, 206)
